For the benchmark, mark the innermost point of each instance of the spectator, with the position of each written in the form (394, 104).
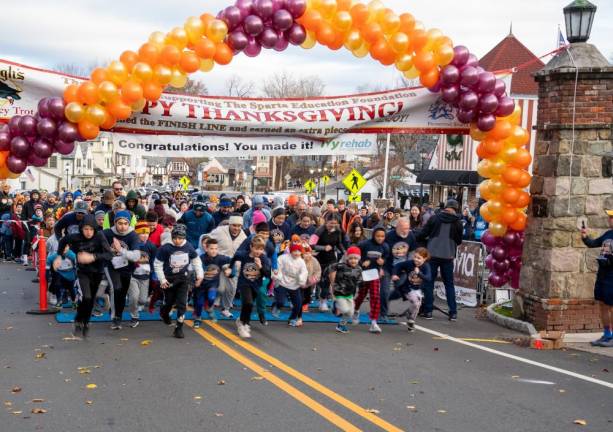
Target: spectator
(415, 218)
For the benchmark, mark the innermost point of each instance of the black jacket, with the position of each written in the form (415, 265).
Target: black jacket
(443, 232)
(97, 245)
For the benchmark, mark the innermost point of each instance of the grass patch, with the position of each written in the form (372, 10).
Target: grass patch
(501, 310)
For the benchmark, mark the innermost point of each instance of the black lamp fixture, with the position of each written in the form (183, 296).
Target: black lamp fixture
(579, 16)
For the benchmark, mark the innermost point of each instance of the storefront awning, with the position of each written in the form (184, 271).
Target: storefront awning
(449, 177)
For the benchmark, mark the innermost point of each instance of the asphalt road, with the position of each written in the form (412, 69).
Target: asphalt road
(285, 379)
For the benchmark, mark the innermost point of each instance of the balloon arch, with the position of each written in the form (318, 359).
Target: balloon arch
(166, 59)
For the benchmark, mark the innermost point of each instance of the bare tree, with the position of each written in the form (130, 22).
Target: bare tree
(79, 70)
(236, 87)
(192, 88)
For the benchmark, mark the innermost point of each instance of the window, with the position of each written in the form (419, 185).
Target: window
(89, 164)
(78, 163)
(52, 162)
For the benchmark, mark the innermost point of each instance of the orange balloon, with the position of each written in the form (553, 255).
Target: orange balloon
(99, 75)
(119, 109)
(443, 55)
(497, 186)
(497, 229)
(390, 22)
(3, 156)
(419, 38)
(521, 159)
(189, 62)
(71, 93)
(424, 61)
(109, 122)
(430, 78)
(502, 130)
(359, 14)
(510, 195)
(523, 200)
(482, 152)
(223, 54)
(325, 34)
(508, 215)
(170, 55)
(495, 206)
(491, 146)
(312, 19)
(372, 32)
(149, 53)
(400, 43)
(206, 18)
(524, 179)
(152, 91)
(407, 23)
(520, 223)
(519, 136)
(338, 43)
(205, 48)
(343, 5)
(131, 91)
(485, 213)
(88, 93)
(512, 176)
(88, 130)
(484, 190)
(475, 133)
(507, 153)
(129, 58)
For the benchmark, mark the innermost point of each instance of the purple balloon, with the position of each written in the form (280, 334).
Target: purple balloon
(282, 20)
(473, 61)
(502, 266)
(486, 122)
(296, 7)
(488, 103)
(436, 88)
(487, 82)
(466, 116)
(37, 161)
(489, 261)
(264, 8)
(16, 164)
(499, 253)
(450, 75)
(43, 107)
(451, 94)
(5, 128)
(460, 56)
(253, 48)
(14, 126)
(253, 25)
(496, 280)
(488, 239)
(20, 147)
(499, 87)
(469, 76)
(43, 148)
(469, 100)
(268, 38)
(5, 141)
(509, 238)
(506, 106)
(56, 108)
(68, 132)
(64, 147)
(232, 16)
(282, 42)
(46, 128)
(28, 126)
(238, 40)
(277, 5)
(296, 35)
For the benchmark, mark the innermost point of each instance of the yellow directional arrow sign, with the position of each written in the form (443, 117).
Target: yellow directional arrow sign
(354, 181)
(185, 182)
(355, 198)
(325, 180)
(310, 186)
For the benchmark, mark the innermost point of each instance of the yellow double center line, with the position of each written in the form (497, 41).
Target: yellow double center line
(327, 414)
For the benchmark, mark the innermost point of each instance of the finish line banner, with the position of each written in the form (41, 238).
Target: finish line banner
(414, 110)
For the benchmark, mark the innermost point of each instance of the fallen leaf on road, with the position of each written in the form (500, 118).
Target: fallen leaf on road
(606, 370)
(15, 390)
(146, 342)
(257, 378)
(16, 412)
(580, 422)
(515, 376)
(37, 400)
(71, 338)
(67, 380)
(373, 411)
(91, 386)
(38, 411)
(88, 402)
(441, 411)
(218, 414)
(85, 371)
(197, 397)
(9, 328)
(562, 391)
(40, 355)
(123, 339)
(411, 407)
(221, 382)
(8, 403)
(414, 382)
(397, 349)
(314, 349)
(435, 348)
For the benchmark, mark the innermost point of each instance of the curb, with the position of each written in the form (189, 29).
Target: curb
(581, 337)
(510, 323)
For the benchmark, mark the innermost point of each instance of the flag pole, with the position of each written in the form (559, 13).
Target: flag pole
(387, 158)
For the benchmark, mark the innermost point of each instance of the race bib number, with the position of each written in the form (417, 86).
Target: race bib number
(119, 262)
(73, 229)
(179, 261)
(370, 275)
(65, 265)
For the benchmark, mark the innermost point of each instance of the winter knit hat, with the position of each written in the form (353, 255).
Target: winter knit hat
(295, 247)
(354, 250)
(262, 227)
(278, 212)
(258, 217)
(236, 220)
(99, 213)
(179, 231)
(292, 200)
(142, 228)
(123, 214)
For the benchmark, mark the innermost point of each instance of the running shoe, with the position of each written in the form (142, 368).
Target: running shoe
(342, 328)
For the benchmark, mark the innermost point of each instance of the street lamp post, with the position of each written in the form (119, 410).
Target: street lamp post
(67, 185)
(319, 183)
(421, 183)
(579, 16)
(253, 167)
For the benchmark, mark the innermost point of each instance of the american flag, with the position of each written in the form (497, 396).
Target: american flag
(561, 40)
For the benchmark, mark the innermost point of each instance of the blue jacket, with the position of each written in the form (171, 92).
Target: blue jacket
(197, 226)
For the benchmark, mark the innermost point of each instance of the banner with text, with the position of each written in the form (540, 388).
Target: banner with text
(410, 110)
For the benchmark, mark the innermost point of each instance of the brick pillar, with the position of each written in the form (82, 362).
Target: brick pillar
(572, 183)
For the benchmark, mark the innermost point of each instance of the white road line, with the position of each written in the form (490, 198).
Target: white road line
(517, 358)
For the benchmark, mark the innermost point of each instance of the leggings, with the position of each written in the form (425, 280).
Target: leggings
(120, 283)
(88, 283)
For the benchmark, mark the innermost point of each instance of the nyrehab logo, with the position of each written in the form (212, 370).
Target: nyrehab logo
(350, 144)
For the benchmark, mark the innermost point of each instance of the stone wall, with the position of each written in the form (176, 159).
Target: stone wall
(572, 183)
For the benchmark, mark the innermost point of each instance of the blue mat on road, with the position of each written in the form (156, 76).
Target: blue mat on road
(68, 317)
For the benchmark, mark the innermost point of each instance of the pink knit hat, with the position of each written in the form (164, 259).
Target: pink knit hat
(258, 217)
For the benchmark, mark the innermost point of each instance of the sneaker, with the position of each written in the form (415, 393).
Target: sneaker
(453, 317)
(355, 319)
(292, 323)
(275, 312)
(597, 342)
(97, 313)
(411, 325)
(212, 316)
(607, 343)
(263, 320)
(116, 324)
(78, 329)
(427, 315)
(196, 323)
(305, 308)
(342, 328)
(248, 328)
(374, 327)
(166, 318)
(85, 330)
(134, 322)
(24, 260)
(226, 313)
(52, 299)
(178, 332)
(299, 322)
(242, 329)
(323, 306)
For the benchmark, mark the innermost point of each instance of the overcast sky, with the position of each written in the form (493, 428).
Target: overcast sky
(45, 33)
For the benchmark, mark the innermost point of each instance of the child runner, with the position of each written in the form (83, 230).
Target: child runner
(291, 276)
(313, 278)
(141, 276)
(374, 253)
(204, 296)
(345, 277)
(417, 271)
(171, 267)
(92, 251)
(254, 266)
(63, 274)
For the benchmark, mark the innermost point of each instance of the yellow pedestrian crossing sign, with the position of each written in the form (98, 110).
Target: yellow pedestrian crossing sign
(310, 186)
(355, 198)
(325, 180)
(354, 182)
(185, 182)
